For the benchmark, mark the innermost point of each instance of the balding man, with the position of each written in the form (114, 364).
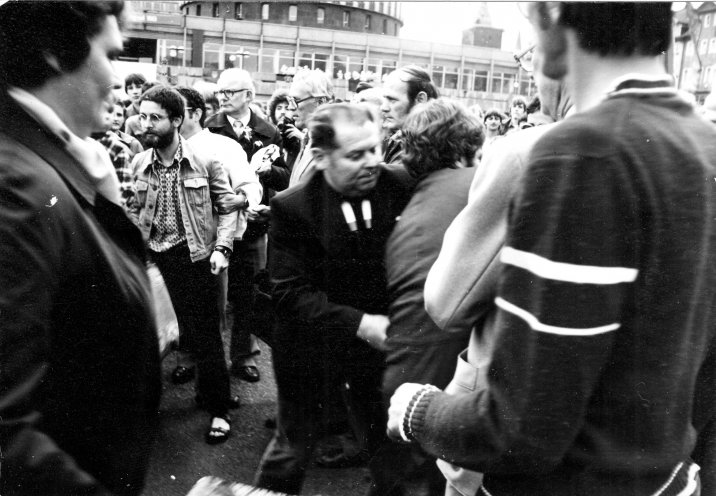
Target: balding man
(309, 90)
(237, 121)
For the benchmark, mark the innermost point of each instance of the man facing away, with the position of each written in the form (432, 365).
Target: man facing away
(177, 189)
(79, 361)
(602, 372)
(329, 287)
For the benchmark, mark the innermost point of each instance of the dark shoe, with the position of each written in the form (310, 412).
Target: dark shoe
(248, 373)
(216, 435)
(341, 460)
(182, 375)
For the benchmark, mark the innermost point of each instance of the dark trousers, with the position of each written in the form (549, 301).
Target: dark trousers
(395, 463)
(247, 259)
(302, 378)
(193, 290)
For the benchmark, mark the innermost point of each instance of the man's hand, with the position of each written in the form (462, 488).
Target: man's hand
(264, 158)
(293, 133)
(218, 262)
(259, 213)
(232, 203)
(373, 330)
(398, 406)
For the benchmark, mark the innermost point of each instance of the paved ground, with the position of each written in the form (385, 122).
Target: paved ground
(181, 456)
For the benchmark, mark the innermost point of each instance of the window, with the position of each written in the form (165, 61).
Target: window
(264, 11)
(198, 10)
(215, 9)
(292, 13)
(703, 45)
(385, 26)
(238, 11)
(346, 19)
(367, 22)
(689, 48)
(712, 45)
(707, 20)
(320, 15)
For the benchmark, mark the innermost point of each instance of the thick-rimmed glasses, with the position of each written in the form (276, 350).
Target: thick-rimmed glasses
(524, 59)
(292, 102)
(229, 93)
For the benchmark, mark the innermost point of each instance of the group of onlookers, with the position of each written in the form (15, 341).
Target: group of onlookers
(527, 314)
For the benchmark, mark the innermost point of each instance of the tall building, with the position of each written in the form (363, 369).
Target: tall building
(351, 41)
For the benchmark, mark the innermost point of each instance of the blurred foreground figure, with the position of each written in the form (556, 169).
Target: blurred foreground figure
(601, 377)
(79, 373)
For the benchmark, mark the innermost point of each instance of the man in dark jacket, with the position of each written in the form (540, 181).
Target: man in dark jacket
(237, 121)
(79, 362)
(328, 234)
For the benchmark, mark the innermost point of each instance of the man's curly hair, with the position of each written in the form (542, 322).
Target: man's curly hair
(437, 135)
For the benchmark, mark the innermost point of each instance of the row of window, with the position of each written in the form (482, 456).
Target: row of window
(707, 46)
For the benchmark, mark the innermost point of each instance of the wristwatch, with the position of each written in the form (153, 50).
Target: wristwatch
(223, 250)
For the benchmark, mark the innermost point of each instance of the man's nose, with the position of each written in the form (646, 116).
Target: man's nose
(384, 107)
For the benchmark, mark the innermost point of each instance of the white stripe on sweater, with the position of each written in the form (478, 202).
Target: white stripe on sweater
(536, 325)
(560, 271)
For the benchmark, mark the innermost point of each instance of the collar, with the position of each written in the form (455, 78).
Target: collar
(178, 156)
(635, 84)
(91, 156)
(244, 120)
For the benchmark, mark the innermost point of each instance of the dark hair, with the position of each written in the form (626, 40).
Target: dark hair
(437, 134)
(29, 30)
(620, 28)
(321, 126)
(518, 100)
(117, 103)
(494, 112)
(279, 96)
(417, 80)
(167, 98)
(535, 105)
(147, 85)
(135, 79)
(194, 100)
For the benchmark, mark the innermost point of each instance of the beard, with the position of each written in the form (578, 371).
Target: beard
(157, 139)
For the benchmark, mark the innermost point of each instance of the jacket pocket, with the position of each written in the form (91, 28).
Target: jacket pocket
(142, 187)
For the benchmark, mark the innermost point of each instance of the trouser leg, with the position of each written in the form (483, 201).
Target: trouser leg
(247, 259)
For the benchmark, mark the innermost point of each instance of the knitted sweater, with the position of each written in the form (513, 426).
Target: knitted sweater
(602, 372)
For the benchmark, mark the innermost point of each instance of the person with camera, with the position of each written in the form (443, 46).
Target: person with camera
(281, 116)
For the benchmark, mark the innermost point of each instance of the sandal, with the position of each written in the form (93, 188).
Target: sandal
(216, 433)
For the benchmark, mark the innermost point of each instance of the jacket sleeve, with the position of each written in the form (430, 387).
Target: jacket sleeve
(219, 189)
(462, 282)
(295, 269)
(560, 302)
(31, 461)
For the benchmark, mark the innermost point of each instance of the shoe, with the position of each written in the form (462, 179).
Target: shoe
(216, 435)
(182, 375)
(341, 460)
(233, 403)
(248, 373)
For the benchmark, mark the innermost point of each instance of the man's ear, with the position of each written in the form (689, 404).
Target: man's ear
(321, 158)
(177, 122)
(421, 97)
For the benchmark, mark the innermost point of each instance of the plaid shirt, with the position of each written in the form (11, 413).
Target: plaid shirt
(167, 227)
(120, 156)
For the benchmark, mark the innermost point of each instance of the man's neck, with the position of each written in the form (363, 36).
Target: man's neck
(187, 133)
(241, 114)
(60, 102)
(167, 154)
(590, 76)
(489, 133)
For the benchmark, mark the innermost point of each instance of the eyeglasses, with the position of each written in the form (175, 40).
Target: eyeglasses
(153, 118)
(229, 93)
(292, 102)
(524, 59)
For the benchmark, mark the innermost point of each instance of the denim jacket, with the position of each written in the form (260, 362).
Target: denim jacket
(203, 185)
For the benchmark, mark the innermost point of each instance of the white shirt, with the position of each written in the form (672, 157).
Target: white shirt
(233, 158)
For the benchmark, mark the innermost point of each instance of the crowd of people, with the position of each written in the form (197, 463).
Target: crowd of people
(501, 304)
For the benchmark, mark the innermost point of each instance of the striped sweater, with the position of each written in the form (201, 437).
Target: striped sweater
(601, 375)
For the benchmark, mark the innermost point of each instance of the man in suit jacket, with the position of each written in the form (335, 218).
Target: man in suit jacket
(237, 121)
(79, 361)
(328, 234)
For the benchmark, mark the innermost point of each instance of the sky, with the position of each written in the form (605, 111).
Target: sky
(443, 22)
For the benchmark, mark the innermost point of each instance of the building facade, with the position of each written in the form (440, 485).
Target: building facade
(351, 41)
(694, 60)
